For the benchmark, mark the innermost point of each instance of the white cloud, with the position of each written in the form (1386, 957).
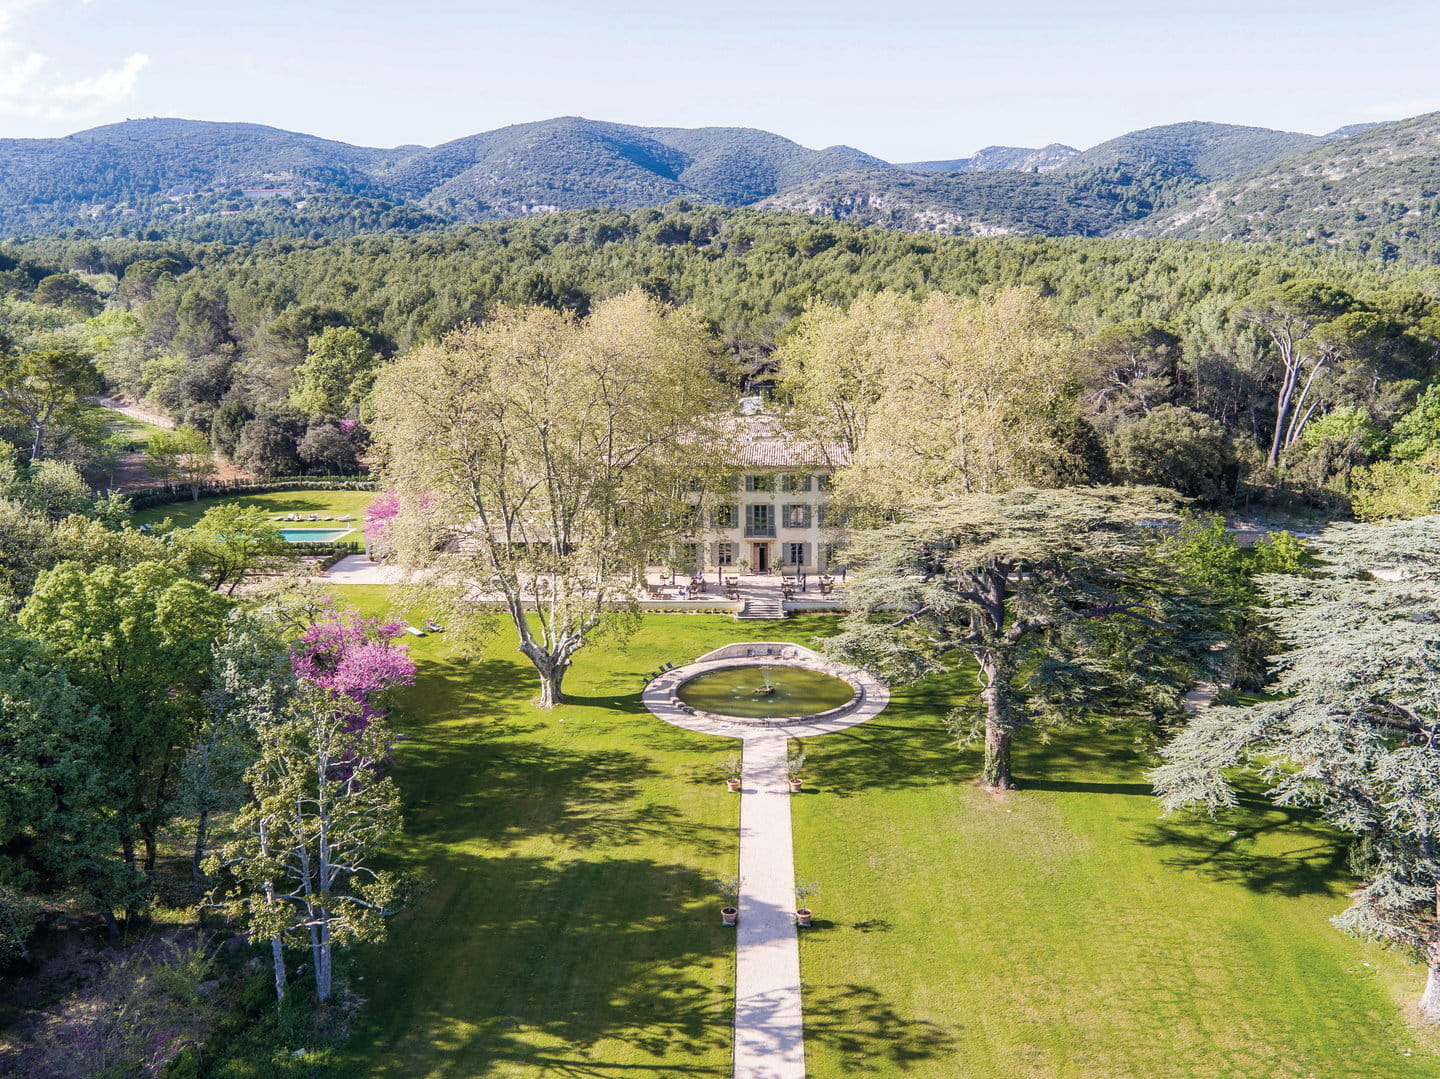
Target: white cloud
(107, 87)
(31, 86)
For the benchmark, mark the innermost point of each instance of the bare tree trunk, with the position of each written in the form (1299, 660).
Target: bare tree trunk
(1430, 999)
(322, 960)
(999, 723)
(277, 949)
(277, 959)
(996, 773)
(551, 668)
(551, 677)
(197, 878)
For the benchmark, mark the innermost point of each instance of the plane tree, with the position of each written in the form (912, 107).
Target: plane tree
(542, 459)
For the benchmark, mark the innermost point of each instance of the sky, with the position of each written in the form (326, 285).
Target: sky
(905, 81)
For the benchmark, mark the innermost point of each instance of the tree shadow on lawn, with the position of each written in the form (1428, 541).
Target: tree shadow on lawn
(469, 689)
(1306, 856)
(502, 789)
(890, 754)
(524, 961)
(585, 969)
(861, 1027)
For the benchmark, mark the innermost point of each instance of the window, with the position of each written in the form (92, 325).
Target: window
(759, 520)
(796, 515)
(727, 516)
(690, 555)
(759, 483)
(725, 554)
(795, 554)
(822, 483)
(794, 482)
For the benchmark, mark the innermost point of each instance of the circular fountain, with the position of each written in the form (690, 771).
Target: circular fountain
(765, 692)
(765, 684)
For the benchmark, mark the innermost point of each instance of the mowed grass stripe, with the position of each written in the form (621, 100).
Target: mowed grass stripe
(1065, 930)
(571, 925)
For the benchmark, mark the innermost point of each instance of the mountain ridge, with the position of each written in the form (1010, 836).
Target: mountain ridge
(235, 181)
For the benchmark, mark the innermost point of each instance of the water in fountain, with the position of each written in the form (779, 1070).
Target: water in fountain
(752, 692)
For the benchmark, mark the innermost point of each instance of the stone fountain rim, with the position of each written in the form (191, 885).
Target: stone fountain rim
(869, 698)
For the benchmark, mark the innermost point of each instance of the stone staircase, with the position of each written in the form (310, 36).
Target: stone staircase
(758, 607)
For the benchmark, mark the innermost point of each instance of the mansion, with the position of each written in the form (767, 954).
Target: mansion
(774, 519)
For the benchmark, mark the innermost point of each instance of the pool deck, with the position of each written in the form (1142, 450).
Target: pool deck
(358, 569)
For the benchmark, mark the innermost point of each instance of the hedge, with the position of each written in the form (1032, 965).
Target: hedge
(144, 500)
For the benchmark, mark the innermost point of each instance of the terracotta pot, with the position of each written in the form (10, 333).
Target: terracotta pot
(796, 786)
(733, 784)
(728, 916)
(803, 915)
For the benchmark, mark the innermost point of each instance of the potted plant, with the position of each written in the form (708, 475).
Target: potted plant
(744, 565)
(729, 889)
(803, 894)
(731, 767)
(794, 768)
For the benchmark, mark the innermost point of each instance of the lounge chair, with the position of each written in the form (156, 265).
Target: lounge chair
(416, 632)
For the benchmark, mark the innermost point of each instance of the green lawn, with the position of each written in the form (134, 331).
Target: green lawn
(572, 927)
(569, 927)
(136, 431)
(1064, 930)
(323, 503)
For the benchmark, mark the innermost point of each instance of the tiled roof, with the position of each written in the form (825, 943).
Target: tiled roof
(762, 443)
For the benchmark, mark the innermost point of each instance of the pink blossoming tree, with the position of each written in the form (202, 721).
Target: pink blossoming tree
(354, 658)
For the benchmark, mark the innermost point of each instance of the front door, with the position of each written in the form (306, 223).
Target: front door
(761, 561)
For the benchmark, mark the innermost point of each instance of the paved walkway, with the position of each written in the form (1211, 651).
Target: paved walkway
(358, 569)
(769, 1019)
(769, 1029)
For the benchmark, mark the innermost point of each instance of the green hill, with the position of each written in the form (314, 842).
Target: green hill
(1376, 191)
(981, 203)
(1370, 188)
(571, 163)
(1201, 151)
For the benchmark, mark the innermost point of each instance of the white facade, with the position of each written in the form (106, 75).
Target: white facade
(775, 518)
(774, 521)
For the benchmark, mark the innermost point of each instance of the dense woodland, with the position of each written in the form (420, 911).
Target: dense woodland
(1233, 373)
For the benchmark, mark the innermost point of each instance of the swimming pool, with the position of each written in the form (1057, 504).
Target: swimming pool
(313, 535)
